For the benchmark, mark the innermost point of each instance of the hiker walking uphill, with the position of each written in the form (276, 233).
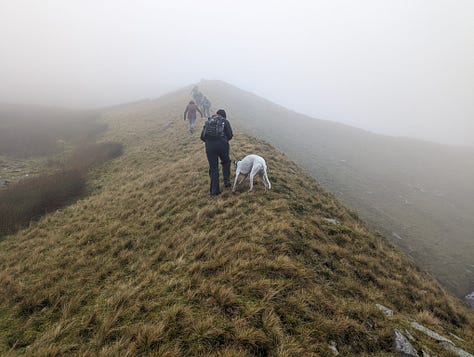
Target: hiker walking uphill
(216, 134)
(190, 111)
(206, 106)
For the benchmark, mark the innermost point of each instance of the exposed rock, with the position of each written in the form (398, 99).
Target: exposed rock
(446, 343)
(396, 235)
(460, 352)
(470, 300)
(434, 335)
(385, 310)
(456, 337)
(408, 334)
(403, 346)
(331, 220)
(333, 348)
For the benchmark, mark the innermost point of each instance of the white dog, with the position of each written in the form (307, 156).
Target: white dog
(251, 165)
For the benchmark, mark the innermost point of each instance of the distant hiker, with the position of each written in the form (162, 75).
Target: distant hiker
(198, 97)
(190, 111)
(216, 134)
(206, 106)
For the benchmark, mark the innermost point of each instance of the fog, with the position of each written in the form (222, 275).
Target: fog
(399, 67)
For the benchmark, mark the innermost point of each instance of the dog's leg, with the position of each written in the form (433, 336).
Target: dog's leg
(238, 184)
(243, 179)
(266, 181)
(252, 176)
(237, 173)
(256, 170)
(261, 174)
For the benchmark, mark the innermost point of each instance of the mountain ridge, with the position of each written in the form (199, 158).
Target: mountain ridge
(404, 188)
(149, 264)
(206, 83)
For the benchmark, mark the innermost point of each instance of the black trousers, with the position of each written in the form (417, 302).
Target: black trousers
(215, 150)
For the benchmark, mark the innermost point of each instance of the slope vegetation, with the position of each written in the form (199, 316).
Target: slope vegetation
(418, 194)
(148, 264)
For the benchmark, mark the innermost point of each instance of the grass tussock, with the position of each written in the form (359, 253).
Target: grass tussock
(150, 265)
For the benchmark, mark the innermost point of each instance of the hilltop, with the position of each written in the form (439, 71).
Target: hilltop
(149, 264)
(418, 194)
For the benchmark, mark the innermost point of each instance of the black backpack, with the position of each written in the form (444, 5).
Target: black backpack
(214, 127)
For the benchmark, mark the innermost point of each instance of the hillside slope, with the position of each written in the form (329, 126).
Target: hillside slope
(29, 130)
(419, 194)
(149, 264)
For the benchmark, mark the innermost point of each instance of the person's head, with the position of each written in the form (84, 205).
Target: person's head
(191, 102)
(221, 113)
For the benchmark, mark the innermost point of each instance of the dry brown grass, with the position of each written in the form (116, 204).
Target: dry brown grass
(33, 197)
(150, 265)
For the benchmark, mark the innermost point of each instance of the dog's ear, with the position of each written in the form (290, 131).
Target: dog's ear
(236, 162)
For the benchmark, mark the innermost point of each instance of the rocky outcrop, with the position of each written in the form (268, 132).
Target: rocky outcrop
(385, 310)
(403, 346)
(408, 334)
(434, 335)
(333, 348)
(331, 220)
(470, 300)
(443, 341)
(456, 337)
(458, 351)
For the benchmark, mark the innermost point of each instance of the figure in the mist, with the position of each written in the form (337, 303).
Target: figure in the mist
(197, 96)
(217, 133)
(202, 102)
(206, 107)
(190, 112)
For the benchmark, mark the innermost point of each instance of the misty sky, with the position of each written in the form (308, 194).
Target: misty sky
(400, 67)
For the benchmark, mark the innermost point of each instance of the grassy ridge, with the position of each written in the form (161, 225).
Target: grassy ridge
(149, 264)
(418, 190)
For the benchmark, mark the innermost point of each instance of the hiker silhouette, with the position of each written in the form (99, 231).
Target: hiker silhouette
(206, 106)
(190, 112)
(217, 139)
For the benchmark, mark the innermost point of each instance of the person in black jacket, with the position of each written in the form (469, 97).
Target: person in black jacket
(217, 147)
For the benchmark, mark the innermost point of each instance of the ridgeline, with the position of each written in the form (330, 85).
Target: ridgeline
(417, 193)
(148, 264)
